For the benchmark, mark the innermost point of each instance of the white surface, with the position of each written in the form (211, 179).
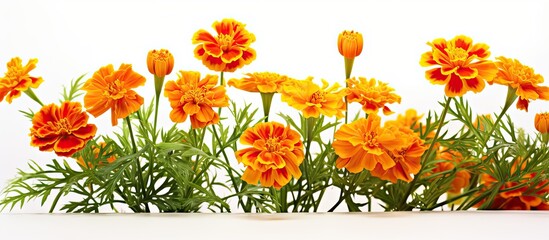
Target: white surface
(297, 38)
(397, 225)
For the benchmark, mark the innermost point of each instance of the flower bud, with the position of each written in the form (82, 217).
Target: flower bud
(349, 44)
(160, 62)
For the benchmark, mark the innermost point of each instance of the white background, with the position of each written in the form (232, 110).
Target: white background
(297, 38)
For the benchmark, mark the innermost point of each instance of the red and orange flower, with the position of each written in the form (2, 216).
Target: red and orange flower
(460, 65)
(313, 100)
(274, 156)
(17, 79)
(191, 96)
(264, 82)
(229, 50)
(523, 79)
(63, 129)
(372, 94)
(112, 90)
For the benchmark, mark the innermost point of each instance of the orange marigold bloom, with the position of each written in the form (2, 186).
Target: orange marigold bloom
(522, 78)
(541, 122)
(17, 79)
(372, 94)
(453, 158)
(64, 129)
(264, 82)
(274, 157)
(109, 89)
(191, 96)
(313, 100)
(350, 43)
(229, 50)
(160, 62)
(96, 149)
(407, 156)
(462, 66)
(363, 144)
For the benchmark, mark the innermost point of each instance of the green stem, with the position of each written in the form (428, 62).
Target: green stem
(284, 199)
(348, 70)
(411, 186)
(141, 190)
(33, 96)
(158, 83)
(267, 99)
(228, 166)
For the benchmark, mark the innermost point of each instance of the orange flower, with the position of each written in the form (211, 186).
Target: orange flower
(274, 157)
(160, 62)
(191, 96)
(312, 100)
(512, 198)
(109, 89)
(407, 156)
(264, 82)
(372, 94)
(453, 158)
(363, 144)
(96, 151)
(462, 66)
(17, 79)
(541, 122)
(522, 78)
(229, 50)
(64, 129)
(349, 44)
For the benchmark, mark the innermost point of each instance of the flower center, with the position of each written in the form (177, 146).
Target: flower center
(457, 54)
(523, 74)
(370, 139)
(225, 41)
(115, 90)
(196, 96)
(318, 97)
(13, 75)
(272, 144)
(160, 56)
(62, 126)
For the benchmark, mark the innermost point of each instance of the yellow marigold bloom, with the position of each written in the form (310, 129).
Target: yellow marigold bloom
(110, 89)
(96, 151)
(541, 122)
(461, 66)
(372, 94)
(229, 50)
(350, 43)
(363, 144)
(522, 78)
(264, 82)
(160, 62)
(274, 156)
(313, 100)
(191, 96)
(17, 79)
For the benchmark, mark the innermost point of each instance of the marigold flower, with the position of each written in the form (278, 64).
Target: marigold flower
(274, 157)
(112, 90)
(453, 158)
(480, 121)
(63, 129)
(229, 50)
(522, 198)
(17, 79)
(350, 43)
(407, 156)
(463, 66)
(313, 100)
(363, 144)
(191, 96)
(264, 82)
(372, 94)
(96, 149)
(521, 78)
(541, 122)
(160, 62)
